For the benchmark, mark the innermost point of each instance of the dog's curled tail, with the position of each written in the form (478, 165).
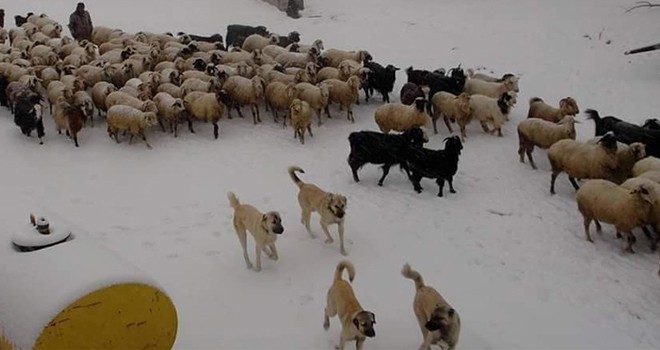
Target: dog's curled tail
(233, 201)
(408, 272)
(345, 264)
(292, 172)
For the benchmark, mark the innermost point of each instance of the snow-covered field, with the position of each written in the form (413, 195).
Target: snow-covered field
(508, 256)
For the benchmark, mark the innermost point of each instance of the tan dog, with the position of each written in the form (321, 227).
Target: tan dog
(263, 227)
(438, 321)
(330, 206)
(356, 323)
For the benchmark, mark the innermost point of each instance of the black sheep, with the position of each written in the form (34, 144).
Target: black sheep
(379, 78)
(236, 33)
(215, 38)
(3, 90)
(387, 149)
(439, 164)
(418, 76)
(409, 92)
(651, 124)
(20, 20)
(626, 132)
(454, 83)
(28, 116)
(284, 41)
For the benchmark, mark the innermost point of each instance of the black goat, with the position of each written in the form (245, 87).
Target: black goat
(284, 41)
(28, 115)
(418, 76)
(651, 124)
(3, 90)
(20, 20)
(387, 149)
(626, 132)
(454, 83)
(379, 78)
(439, 164)
(214, 38)
(236, 33)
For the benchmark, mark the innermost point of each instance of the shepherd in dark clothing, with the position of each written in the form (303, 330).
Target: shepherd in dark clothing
(80, 23)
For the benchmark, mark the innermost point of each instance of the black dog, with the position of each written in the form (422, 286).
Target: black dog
(439, 164)
(387, 149)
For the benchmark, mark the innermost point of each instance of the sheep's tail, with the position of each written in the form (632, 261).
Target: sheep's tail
(344, 264)
(292, 172)
(233, 201)
(535, 99)
(408, 272)
(592, 114)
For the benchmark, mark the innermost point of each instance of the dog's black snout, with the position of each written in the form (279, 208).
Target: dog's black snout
(278, 230)
(432, 326)
(370, 333)
(340, 213)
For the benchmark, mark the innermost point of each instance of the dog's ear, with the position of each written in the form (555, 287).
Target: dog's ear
(451, 312)
(356, 323)
(264, 218)
(373, 316)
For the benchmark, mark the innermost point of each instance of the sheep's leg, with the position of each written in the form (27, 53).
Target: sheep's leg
(587, 222)
(599, 228)
(175, 128)
(573, 182)
(75, 140)
(434, 121)
(144, 138)
(216, 130)
(161, 124)
(238, 109)
(309, 128)
(366, 94)
(190, 126)
(553, 178)
(630, 239)
(416, 179)
(441, 184)
(318, 115)
(295, 133)
(275, 118)
(485, 128)
(386, 170)
(651, 237)
(302, 136)
(446, 120)
(256, 107)
(521, 152)
(327, 111)
(255, 120)
(349, 114)
(529, 156)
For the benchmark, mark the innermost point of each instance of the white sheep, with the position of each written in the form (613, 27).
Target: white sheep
(82, 100)
(73, 82)
(278, 98)
(194, 84)
(345, 93)
(602, 200)
(490, 89)
(100, 92)
(317, 96)
(333, 57)
(627, 156)
(326, 73)
(653, 175)
(275, 50)
(126, 118)
(170, 110)
(399, 117)
(542, 134)
(451, 107)
(256, 41)
(171, 89)
(644, 165)
(301, 119)
(296, 59)
(92, 74)
(654, 215)
(56, 89)
(244, 91)
(207, 107)
(122, 98)
(317, 45)
(299, 77)
(490, 110)
(582, 160)
(53, 30)
(541, 110)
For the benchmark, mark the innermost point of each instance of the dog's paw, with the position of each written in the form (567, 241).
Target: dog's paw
(329, 240)
(343, 252)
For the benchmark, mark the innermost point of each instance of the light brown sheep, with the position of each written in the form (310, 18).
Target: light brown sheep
(653, 175)
(489, 110)
(345, 93)
(317, 96)
(278, 98)
(207, 107)
(490, 89)
(56, 89)
(627, 156)
(69, 118)
(582, 160)
(170, 111)
(451, 107)
(122, 98)
(602, 200)
(100, 91)
(333, 57)
(301, 119)
(399, 117)
(541, 110)
(126, 118)
(171, 89)
(244, 91)
(646, 164)
(256, 41)
(82, 100)
(542, 134)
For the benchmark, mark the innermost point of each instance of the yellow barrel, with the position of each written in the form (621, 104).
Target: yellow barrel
(79, 295)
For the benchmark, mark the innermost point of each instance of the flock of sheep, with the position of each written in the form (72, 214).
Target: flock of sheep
(143, 80)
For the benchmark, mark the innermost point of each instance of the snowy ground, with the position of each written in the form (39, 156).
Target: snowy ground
(509, 257)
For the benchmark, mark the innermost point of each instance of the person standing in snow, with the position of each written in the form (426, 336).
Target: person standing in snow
(80, 23)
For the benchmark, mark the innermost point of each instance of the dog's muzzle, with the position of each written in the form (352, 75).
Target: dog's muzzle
(278, 230)
(370, 333)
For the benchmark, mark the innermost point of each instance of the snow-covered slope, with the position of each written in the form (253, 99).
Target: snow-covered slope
(508, 256)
